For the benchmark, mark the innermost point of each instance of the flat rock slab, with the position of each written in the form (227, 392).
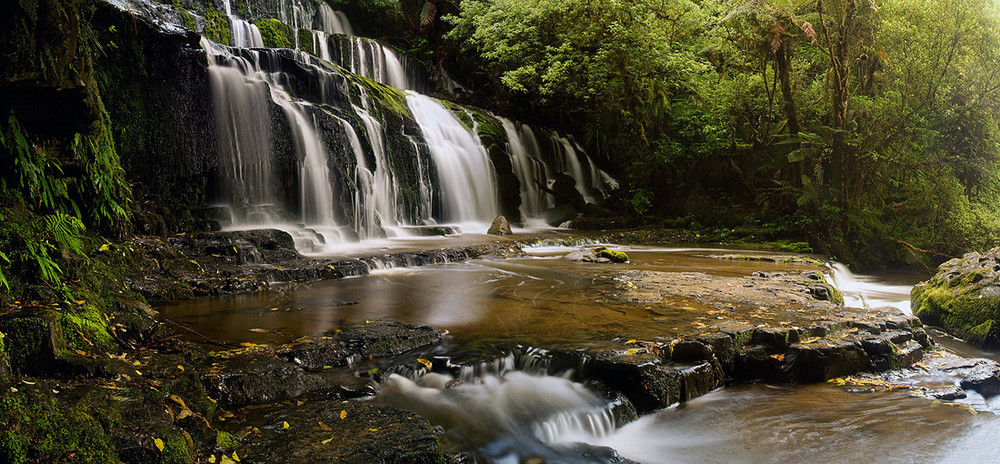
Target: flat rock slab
(781, 327)
(337, 431)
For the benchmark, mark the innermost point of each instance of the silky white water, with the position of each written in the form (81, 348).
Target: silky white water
(468, 187)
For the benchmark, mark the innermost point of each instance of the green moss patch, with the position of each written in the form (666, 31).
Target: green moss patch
(275, 33)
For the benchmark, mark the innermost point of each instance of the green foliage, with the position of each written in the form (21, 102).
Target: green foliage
(275, 33)
(871, 131)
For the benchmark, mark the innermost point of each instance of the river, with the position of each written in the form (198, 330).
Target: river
(544, 301)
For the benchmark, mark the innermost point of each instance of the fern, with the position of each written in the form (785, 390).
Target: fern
(65, 230)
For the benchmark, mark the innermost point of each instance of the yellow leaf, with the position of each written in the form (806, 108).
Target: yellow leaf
(79, 302)
(284, 425)
(226, 460)
(159, 444)
(424, 362)
(634, 351)
(211, 459)
(343, 415)
(323, 427)
(236, 457)
(274, 309)
(327, 441)
(104, 247)
(373, 430)
(631, 341)
(180, 367)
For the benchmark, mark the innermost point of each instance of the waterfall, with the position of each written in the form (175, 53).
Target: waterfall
(525, 155)
(242, 91)
(468, 187)
(333, 22)
(244, 34)
(535, 169)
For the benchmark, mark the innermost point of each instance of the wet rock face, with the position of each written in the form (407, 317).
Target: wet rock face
(386, 338)
(268, 375)
(260, 378)
(964, 298)
(230, 263)
(500, 226)
(345, 432)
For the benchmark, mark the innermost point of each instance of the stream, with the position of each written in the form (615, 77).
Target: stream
(507, 412)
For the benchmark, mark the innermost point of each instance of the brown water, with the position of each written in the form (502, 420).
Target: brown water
(540, 300)
(548, 302)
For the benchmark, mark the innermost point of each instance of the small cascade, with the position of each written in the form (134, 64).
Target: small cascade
(244, 34)
(868, 292)
(525, 155)
(332, 21)
(468, 187)
(536, 168)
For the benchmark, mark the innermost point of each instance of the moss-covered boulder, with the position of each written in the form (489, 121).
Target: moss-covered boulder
(963, 298)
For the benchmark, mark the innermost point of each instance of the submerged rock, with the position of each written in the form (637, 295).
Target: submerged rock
(963, 298)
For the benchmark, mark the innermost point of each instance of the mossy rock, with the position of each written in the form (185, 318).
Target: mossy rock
(614, 256)
(963, 298)
(275, 33)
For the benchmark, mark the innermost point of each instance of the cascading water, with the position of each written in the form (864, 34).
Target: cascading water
(322, 200)
(537, 176)
(468, 186)
(242, 93)
(244, 34)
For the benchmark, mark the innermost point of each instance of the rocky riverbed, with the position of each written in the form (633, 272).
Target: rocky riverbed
(315, 399)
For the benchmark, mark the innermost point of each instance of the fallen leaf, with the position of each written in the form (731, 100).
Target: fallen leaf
(779, 357)
(104, 247)
(211, 459)
(180, 367)
(327, 441)
(343, 415)
(236, 457)
(159, 444)
(274, 309)
(373, 430)
(284, 425)
(258, 330)
(79, 302)
(323, 427)
(424, 362)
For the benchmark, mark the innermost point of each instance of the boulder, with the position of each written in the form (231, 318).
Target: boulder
(500, 226)
(963, 298)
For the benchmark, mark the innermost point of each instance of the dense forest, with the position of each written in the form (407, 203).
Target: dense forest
(868, 128)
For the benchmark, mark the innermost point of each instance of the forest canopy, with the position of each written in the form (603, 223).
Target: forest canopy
(868, 127)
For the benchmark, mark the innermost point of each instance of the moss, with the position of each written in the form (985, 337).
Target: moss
(87, 329)
(967, 316)
(175, 451)
(217, 27)
(226, 442)
(614, 256)
(306, 41)
(36, 428)
(275, 33)
(187, 19)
